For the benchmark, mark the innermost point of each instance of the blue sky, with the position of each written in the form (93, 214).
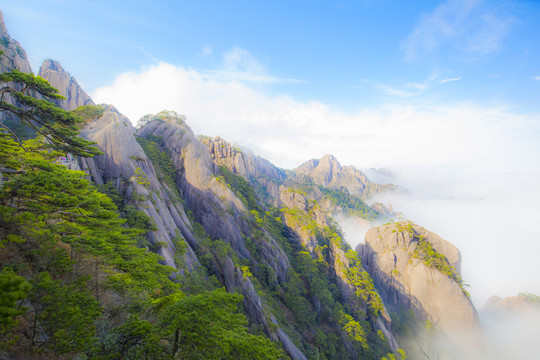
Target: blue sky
(444, 94)
(345, 53)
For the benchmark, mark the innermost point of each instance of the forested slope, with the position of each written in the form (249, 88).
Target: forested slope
(151, 242)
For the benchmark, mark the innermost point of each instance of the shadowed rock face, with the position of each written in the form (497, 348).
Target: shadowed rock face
(122, 157)
(75, 96)
(218, 210)
(212, 202)
(253, 168)
(406, 282)
(13, 58)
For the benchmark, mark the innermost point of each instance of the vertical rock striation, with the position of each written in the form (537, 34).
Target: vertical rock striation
(60, 79)
(125, 165)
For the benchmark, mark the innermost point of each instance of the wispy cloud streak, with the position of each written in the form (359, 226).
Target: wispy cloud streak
(443, 81)
(463, 25)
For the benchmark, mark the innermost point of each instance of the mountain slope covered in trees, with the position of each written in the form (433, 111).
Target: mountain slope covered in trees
(150, 242)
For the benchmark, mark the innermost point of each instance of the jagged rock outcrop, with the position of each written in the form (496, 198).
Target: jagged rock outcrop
(213, 203)
(253, 168)
(406, 281)
(14, 56)
(329, 173)
(66, 84)
(218, 210)
(125, 164)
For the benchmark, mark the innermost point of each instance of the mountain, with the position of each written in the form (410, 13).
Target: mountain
(75, 96)
(219, 216)
(512, 305)
(14, 55)
(329, 173)
(419, 273)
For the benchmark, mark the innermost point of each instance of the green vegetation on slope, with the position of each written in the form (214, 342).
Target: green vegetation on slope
(429, 256)
(88, 112)
(309, 306)
(74, 282)
(351, 204)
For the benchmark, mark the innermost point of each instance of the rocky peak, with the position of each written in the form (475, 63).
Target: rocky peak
(75, 96)
(328, 172)
(415, 269)
(14, 55)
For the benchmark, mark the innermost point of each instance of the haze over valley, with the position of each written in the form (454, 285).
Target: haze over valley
(355, 173)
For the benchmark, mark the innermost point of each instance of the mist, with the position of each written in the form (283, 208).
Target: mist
(489, 215)
(469, 172)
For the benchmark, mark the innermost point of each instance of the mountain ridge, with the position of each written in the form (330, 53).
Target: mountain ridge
(210, 208)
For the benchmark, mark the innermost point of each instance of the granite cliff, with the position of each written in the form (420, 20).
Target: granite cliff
(417, 271)
(213, 210)
(60, 79)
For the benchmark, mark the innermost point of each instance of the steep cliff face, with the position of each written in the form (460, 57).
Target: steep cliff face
(221, 214)
(258, 171)
(212, 202)
(126, 167)
(269, 233)
(305, 211)
(60, 79)
(416, 269)
(14, 56)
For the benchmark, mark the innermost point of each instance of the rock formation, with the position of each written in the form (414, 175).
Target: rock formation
(125, 165)
(14, 55)
(512, 305)
(415, 269)
(269, 232)
(328, 172)
(60, 79)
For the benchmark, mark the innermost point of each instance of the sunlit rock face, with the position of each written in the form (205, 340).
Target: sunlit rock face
(328, 172)
(406, 282)
(14, 56)
(66, 84)
(242, 162)
(125, 165)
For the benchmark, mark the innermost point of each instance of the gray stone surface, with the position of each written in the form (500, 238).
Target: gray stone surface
(329, 173)
(66, 84)
(14, 55)
(405, 282)
(122, 157)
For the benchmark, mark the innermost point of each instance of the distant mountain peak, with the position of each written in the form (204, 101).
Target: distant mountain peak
(54, 73)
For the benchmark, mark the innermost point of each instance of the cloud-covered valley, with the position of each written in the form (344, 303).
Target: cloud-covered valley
(471, 171)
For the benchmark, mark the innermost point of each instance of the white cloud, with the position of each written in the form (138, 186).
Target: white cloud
(464, 25)
(207, 50)
(473, 171)
(240, 60)
(240, 65)
(443, 81)
(536, 78)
